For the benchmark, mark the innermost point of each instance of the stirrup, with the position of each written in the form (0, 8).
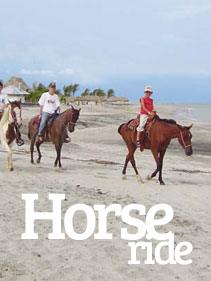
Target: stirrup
(67, 140)
(20, 142)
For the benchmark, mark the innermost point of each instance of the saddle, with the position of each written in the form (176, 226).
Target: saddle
(49, 122)
(133, 124)
(46, 132)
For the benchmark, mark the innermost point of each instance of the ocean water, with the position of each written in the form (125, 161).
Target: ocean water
(195, 111)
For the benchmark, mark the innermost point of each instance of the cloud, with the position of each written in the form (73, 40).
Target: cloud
(42, 72)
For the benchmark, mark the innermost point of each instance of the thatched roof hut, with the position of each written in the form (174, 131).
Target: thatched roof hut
(117, 99)
(17, 82)
(96, 99)
(85, 99)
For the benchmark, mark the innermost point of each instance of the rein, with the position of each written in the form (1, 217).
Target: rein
(69, 122)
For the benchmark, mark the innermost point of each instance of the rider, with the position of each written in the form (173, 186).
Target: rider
(3, 99)
(146, 110)
(49, 104)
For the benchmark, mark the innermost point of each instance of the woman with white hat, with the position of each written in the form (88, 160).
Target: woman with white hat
(146, 110)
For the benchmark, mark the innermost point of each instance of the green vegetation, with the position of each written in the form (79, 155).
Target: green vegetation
(37, 91)
(68, 91)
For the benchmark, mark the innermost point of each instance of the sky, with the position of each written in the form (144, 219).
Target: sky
(119, 44)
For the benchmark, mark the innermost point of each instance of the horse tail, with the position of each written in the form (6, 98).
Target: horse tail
(120, 127)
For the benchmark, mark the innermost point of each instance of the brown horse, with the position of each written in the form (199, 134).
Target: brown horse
(57, 132)
(160, 135)
(10, 122)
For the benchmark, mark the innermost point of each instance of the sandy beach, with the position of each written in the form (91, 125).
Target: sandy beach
(91, 174)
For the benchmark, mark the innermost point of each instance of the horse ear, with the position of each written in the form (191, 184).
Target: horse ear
(9, 101)
(190, 127)
(72, 106)
(79, 110)
(20, 101)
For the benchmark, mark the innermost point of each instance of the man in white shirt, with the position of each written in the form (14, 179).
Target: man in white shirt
(49, 104)
(3, 99)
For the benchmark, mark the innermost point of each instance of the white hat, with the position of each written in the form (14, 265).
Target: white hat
(148, 89)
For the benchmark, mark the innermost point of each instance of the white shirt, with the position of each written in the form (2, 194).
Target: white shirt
(49, 102)
(3, 100)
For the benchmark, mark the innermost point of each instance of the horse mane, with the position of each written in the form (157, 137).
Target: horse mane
(5, 116)
(74, 109)
(169, 121)
(16, 103)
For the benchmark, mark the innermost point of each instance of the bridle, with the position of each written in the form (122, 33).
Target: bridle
(13, 114)
(183, 141)
(69, 122)
(19, 140)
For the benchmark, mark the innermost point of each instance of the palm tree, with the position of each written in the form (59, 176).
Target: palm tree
(65, 90)
(100, 93)
(68, 90)
(110, 93)
(75, 88)
(86, 92)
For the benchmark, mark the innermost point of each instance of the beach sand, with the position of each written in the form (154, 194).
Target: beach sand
(91, 174)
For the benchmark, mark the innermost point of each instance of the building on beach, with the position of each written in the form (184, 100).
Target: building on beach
(16, 89)
(15, 93)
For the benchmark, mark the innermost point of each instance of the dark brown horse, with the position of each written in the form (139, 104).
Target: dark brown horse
(56, 132)
(160, 135)
(10, 122)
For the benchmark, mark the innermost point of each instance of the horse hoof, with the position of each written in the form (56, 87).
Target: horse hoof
(38, 161)
(11, 169)
(162, 183)
(124, 177)
(139, 179)
(148, 177)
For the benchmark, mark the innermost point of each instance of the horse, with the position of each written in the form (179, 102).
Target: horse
(10, 123)
(57, 132)
(160, 134)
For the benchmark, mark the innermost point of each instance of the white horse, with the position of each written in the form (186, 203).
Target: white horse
(10, 122)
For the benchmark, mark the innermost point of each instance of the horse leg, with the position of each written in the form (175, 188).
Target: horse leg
(162, 153)
(131, 150)
(58, 158)
(157, 159)
(9, 158)
(32, 148)
(133, 162)
(38, 143)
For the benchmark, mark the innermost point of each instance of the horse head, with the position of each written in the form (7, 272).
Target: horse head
(15, 113)
(184, 139)
(73, 118)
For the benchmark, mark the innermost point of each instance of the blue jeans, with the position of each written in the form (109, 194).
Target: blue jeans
(44, 118)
